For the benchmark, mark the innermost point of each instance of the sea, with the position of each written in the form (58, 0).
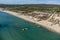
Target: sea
(14, 28)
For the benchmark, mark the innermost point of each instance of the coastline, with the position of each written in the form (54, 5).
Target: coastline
(45, 24)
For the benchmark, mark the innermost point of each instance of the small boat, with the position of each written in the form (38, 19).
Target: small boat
(24, 29)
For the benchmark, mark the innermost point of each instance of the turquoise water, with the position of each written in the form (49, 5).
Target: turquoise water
(11, 29)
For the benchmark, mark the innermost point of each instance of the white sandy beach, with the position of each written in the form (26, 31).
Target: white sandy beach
(43, 23)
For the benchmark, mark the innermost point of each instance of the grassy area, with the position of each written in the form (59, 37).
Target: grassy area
(37, 7)
(30, 9)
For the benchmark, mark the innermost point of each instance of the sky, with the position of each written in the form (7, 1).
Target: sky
(29, 1)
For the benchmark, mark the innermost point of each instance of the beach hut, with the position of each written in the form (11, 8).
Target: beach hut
(56, 20)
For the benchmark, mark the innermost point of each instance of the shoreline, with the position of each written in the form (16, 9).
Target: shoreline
(43, 23)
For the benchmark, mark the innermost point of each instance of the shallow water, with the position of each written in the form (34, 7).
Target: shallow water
(11, 29)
